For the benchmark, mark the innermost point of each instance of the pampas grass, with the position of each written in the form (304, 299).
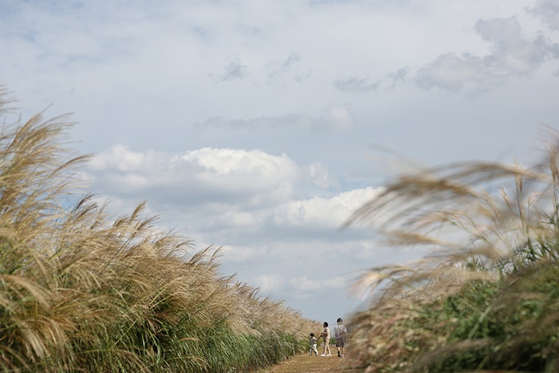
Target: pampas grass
(486, 296)
(81, 290)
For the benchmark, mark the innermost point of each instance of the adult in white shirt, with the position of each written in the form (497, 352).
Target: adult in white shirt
(340, 332)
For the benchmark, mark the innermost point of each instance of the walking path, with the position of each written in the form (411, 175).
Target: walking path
(311, 364)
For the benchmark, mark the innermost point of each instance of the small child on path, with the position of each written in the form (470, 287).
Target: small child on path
(313, 344)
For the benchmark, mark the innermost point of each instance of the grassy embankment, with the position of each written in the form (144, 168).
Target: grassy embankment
(487, 298)
(81, 290)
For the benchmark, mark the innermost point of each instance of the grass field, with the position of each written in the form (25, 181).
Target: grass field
(82, 290)
(486, 298)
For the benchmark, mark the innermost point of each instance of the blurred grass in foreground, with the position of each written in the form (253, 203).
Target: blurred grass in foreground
(84, 291)
(486, 298)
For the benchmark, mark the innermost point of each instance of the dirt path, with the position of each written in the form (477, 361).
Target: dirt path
(306, 364)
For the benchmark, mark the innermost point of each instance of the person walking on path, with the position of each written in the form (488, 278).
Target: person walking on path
(313, 344)
(340, 333)
(326, 335)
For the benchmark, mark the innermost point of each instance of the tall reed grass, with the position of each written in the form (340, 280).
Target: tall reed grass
(486, 297)
(81, 290)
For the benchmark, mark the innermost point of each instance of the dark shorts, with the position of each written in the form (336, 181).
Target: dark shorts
(340, 342)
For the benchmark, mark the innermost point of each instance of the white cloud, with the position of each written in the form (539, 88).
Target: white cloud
(239, 188)
(237, 169)
(322, 212)
(120, 158)
(237, 198)
(250, 177)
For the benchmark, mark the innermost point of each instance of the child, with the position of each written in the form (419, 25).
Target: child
(313, 343)
(326, 335)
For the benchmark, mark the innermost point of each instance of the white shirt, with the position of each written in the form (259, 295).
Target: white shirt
(312, 341)
(339, 331)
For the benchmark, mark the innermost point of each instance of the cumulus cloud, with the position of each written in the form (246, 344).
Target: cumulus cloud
(236, 168)
(120, 158)
(230, 192)
(246, 177)
(333, 118)
(511, 55)
(322, 212)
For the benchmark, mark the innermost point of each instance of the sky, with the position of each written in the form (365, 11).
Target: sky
(260, 126)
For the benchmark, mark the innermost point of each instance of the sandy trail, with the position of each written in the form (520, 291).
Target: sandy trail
(305, 363)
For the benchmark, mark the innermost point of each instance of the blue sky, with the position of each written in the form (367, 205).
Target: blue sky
(259, 126)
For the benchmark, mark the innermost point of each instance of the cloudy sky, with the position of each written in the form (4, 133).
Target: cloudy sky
(259, 126)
